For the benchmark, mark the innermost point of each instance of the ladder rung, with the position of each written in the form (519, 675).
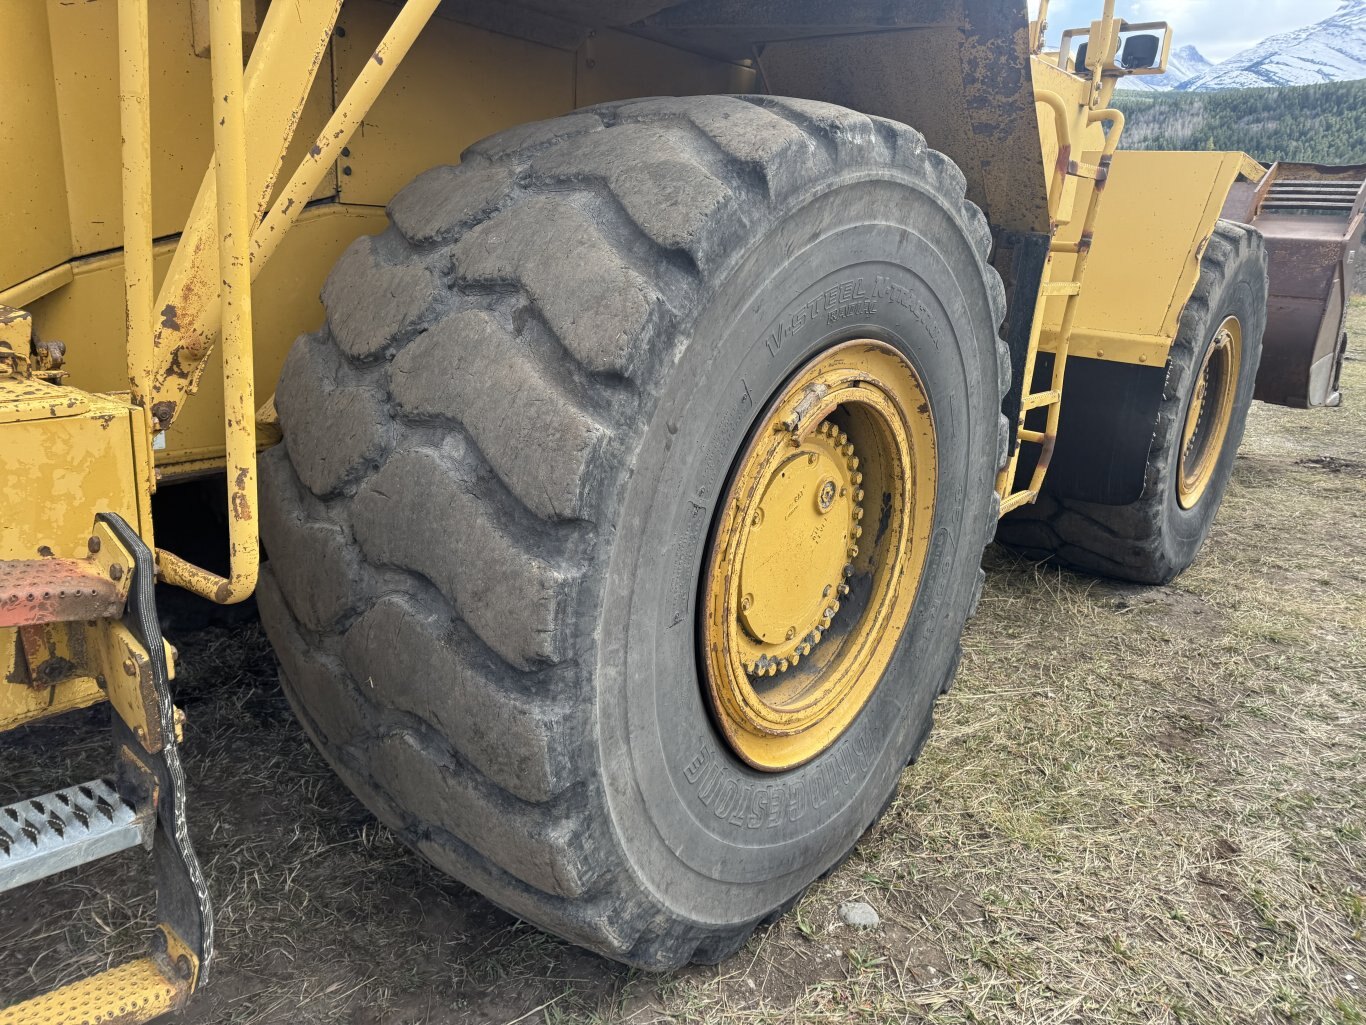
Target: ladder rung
(1300, 185)
(1034, 437)
(1015, 501)
(1043, 398)
(1309, 204)
(1081, 170)
(1061, 288)
(48, 834)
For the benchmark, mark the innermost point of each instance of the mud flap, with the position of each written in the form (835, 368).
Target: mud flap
(1109, 415)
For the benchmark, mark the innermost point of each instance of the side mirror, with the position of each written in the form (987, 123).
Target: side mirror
(1141, 52)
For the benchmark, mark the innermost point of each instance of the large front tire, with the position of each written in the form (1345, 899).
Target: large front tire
(504, 457)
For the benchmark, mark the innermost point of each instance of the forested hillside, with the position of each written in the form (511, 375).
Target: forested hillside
(1322, 124)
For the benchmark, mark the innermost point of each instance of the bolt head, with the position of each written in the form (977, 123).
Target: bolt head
(825, 498)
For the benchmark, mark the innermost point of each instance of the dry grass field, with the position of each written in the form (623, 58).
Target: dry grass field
(1139, 805)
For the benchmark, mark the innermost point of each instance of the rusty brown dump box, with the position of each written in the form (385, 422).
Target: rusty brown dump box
(1312, 217)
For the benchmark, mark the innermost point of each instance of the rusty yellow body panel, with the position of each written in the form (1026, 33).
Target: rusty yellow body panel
(106, 460)
(1158, 213)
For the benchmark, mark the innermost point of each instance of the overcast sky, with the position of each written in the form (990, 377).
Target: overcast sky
(1217, 28)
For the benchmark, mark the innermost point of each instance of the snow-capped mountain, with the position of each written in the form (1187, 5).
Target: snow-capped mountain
(1333, 50)
(1185, 64)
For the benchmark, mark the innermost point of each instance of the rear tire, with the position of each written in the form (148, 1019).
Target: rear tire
(502, 458)
(1155, 539)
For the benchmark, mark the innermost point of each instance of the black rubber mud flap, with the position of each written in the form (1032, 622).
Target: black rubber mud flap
(182, 893)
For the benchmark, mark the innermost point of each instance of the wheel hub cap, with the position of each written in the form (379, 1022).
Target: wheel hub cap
(802, 602)
(810, 509)
(1210, 413)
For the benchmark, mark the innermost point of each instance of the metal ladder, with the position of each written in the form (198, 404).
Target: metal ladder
(1070, 290)
(141, 804)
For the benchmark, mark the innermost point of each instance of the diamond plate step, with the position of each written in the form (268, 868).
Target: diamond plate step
(45, 835)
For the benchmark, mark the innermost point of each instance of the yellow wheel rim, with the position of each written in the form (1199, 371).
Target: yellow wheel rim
(1210, 413)
(818, 553)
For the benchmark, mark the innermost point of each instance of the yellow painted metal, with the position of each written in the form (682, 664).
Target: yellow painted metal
(135, 120)
(86, 123)
(235, 220)
(1038, 28)
(405, 133)
(1159, 212)
(34, 220)
(235, 223)
(1210, 413)
(16, 338)
(179, 953)
(1115, 346)
(200, 18)
(374, 75)
(1063, 287)
(1119, 271)
(285, 305)
(130, 994)
(287, 55)
(105, 465)
(93, 659)
(812, 504)
(21, 704)
(29, 291)
(784, 538)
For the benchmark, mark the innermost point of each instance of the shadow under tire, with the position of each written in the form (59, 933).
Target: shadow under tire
(503, 460)
(1155, 539)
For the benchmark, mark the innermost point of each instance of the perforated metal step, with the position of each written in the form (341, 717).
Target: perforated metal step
(45, 835)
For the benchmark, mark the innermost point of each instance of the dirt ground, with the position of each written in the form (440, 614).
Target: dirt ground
(1139, 805)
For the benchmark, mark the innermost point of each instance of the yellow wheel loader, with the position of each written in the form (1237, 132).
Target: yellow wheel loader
(614, 398)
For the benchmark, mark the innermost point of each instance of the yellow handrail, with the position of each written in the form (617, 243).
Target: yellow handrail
(1063, 129)
(339, 129)
(242, 253)
(235, 217)
(135, 123)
